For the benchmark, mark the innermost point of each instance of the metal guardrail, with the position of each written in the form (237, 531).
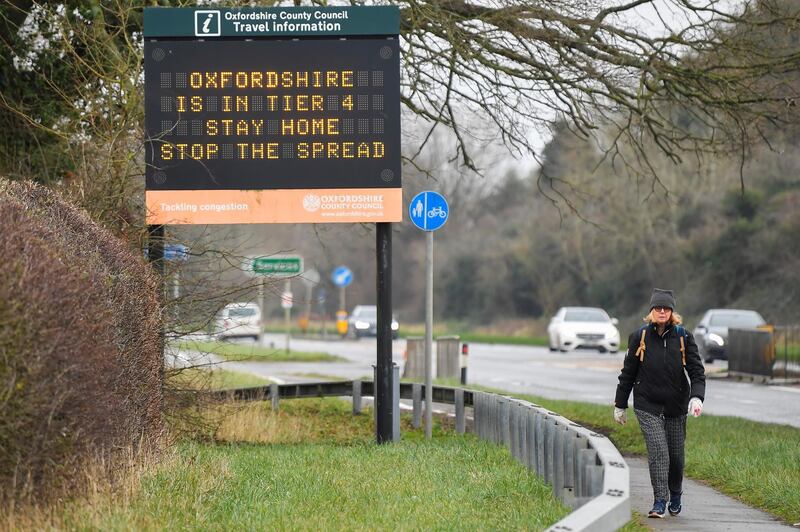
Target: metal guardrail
(584, 469)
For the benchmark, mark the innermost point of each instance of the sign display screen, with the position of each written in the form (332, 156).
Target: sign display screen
(264, 130)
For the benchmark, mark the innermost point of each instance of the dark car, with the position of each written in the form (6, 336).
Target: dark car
(364, 322)
(711, 333)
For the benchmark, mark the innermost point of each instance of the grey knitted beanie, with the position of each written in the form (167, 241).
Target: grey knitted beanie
(662, 298)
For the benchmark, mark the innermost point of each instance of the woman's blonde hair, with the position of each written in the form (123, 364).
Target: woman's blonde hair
(674, 318)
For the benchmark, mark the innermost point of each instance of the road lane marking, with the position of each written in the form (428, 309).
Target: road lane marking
(786, 389)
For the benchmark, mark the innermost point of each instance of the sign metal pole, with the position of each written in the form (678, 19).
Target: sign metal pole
(288, 308)
(262, 304)
(428, 211)
(383, 373)
(428, 334)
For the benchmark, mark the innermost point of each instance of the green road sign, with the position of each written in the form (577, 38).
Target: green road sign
(337, 21)
(278, 265)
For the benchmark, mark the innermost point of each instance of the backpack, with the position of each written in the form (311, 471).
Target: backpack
(681, 334)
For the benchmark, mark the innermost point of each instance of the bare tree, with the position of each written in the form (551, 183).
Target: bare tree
(712, 78)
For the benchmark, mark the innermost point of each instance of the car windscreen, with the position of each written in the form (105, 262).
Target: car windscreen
(585, 315)
(367, 313)
(743, 319)
(241, 312)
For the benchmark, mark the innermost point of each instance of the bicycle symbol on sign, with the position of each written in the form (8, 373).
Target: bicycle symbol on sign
(437, 211)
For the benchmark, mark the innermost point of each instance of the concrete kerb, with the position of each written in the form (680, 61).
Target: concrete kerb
(611, 508)
(554, 446)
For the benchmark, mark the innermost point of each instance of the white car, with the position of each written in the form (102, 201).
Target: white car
(238, 320)
(583, 327)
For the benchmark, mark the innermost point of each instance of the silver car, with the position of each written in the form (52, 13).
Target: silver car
(711, 334)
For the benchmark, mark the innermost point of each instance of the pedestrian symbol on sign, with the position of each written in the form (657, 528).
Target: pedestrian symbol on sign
(418, 209)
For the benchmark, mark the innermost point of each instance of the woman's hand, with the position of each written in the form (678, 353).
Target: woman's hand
(620, 415)
(695, 407)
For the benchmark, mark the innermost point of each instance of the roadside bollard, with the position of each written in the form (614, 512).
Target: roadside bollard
(356, 397)
(460, 417)
(549, 454)
(531, 436)
(416, 399)
(522, 434)
(560, 437)
(505, 423)
(539, 428)
(274, 395)
(512, 428)
(569, 492)
(464, 353)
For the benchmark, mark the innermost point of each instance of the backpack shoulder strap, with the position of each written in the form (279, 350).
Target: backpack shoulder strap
(641, 349)
(681, 335)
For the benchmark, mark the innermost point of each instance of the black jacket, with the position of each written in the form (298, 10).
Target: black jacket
(659, 382)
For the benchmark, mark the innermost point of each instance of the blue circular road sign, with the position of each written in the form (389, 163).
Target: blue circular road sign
(342, 276)
(428, 210)
(176, 252)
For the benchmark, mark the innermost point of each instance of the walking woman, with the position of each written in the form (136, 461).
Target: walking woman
(660, 355)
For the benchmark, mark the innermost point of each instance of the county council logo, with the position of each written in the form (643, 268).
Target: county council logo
(311, 203)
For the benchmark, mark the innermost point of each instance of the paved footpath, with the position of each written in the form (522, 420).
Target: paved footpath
(704, 508)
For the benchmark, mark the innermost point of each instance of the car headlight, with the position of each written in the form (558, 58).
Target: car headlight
(717, 339)
(362, 324)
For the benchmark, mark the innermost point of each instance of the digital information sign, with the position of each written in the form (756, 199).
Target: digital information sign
(256, 118)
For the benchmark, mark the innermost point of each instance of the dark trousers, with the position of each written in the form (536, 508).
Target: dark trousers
(665, 438)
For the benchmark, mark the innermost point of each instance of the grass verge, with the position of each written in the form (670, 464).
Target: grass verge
(213, 379)
(313, 466)
(753, 462)
(240, 352)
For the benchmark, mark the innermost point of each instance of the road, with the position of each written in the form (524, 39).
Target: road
(579, 375)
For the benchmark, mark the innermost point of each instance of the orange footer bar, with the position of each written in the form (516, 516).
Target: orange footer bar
(176, 207)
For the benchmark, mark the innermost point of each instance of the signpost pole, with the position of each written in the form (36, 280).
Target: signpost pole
(428, 211)
(324, 312)
(288, 310)
(428, 334)
(176, 290)
(262, 305)
(383, 373)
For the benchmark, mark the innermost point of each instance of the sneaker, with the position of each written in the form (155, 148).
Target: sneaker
(674, 502)
(659, 509)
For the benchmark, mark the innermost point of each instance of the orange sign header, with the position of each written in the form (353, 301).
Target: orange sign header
(174, 207)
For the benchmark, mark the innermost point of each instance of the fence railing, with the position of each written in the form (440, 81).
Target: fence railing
(766, 352)
(786, 341)
(583, 467)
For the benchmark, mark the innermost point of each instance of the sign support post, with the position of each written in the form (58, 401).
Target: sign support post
(262, 304)
(383, 374)
(429, 334)
(428, 211)
(287, 305)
